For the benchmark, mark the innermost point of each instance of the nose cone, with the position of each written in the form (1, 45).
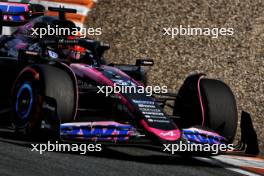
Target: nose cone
(167, 135)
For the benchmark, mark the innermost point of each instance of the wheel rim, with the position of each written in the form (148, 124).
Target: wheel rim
(24, 101)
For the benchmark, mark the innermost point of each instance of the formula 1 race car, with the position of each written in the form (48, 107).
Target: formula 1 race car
(58, 83)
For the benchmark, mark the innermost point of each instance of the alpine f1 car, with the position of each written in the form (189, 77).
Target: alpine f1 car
(52, 83)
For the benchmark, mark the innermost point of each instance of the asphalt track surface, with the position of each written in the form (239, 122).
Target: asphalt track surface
(16, 158)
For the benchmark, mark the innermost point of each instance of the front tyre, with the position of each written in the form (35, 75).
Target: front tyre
(208, 103)
(43, 93)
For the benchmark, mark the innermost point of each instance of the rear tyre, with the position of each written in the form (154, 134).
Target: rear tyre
(42, 92)
(209, 103)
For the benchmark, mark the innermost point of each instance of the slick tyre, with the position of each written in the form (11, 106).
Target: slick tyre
(38, 90)
(209, 103)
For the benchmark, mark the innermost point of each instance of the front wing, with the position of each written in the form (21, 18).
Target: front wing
(110, 131)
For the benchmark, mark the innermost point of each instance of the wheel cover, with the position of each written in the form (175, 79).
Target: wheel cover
(24, 101)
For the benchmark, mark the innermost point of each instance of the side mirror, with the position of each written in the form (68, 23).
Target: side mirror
(144, 62)
(25, 56)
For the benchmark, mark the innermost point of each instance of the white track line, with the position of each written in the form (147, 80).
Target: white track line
(226, 166)
(241, 171)
(240, 161)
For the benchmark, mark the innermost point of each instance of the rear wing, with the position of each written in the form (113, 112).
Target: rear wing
(83, 8)
(16, 14)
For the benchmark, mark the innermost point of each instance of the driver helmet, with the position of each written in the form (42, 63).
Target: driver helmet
(76, 52)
